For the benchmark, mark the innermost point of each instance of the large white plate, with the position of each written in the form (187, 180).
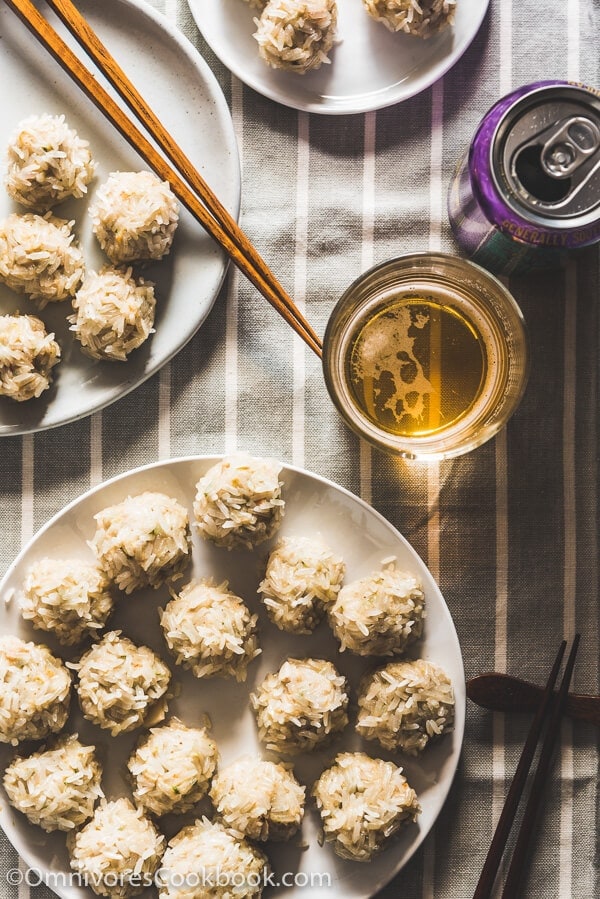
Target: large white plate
(353, 529)
(370, 67)
(180, 87)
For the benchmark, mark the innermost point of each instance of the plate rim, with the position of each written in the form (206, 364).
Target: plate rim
(209, 79)
(368, 105)
(209, 459)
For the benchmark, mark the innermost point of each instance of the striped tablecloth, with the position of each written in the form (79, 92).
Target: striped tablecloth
(510, 531)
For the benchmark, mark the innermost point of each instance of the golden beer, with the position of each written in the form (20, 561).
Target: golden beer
(426, 356)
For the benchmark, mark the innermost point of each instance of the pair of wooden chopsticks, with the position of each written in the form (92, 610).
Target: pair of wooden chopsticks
(551, 711)
(187, 184)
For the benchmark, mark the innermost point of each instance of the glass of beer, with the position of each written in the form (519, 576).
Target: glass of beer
(425, 356)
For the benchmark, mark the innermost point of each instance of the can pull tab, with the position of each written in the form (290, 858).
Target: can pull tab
(569, 145)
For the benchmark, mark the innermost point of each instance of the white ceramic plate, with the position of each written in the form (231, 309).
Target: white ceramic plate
(364, 538)
(180, 87)
(370, 67)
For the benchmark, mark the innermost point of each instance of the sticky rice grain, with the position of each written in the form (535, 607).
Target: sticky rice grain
(113, 313)
(68, 597)
(405, 705)
(227, 867)
(143, 541)
(117, 851)
(363, 802)
(421, 18)
(134, 216)
(56, 787)
(27, 356)
(303, 576)
(296, 35)
(172, 767)
(301, 707)
(38, 257)
(259, 799)
(47, 162)
(210, 630)
(380, 614)
(238, 501)
(121, 685)
(35, 691)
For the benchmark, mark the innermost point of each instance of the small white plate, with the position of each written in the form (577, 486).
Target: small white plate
(363, 538)
(370, 66)
(178, 84)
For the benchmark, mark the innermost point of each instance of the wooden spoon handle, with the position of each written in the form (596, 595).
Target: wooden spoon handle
(505, 693)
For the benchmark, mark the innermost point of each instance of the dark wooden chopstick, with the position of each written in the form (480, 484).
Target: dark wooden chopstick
(546, 709)
(189, 187)
(517, 866)
(513, 797)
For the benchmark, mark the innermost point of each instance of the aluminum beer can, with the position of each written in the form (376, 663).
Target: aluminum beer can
(528, 189)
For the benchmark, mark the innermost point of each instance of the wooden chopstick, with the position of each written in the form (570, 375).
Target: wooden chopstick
(98, 52)
(517, 866)
(193, 192)
(505, 821)
(507, 816)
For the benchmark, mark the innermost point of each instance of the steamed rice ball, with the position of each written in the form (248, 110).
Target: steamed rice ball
(118, 852)
(47, 162)
(134, 216)
(114, 313)
(215, 862)
(120, 685)
(303, 576)
(35, 691)
(67, 597)
(172, 767)
(363, 802)
(27, 356)
(379, 615)
(421, 18)
(238, 501)
(55, 788)
(405, 705)
(300, 707)
(143, 541)
(296, 35)
(210, 630)
(39, 258)
(259, 799)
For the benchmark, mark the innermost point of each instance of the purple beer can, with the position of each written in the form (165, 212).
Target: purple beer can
(528, 189)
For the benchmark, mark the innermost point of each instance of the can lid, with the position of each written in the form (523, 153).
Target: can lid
(546, 156)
